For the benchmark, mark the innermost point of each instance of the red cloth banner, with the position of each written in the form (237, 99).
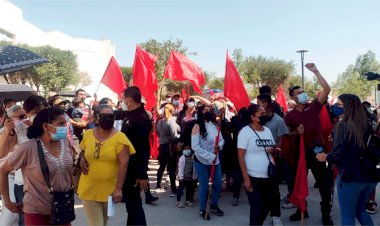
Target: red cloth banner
(233, 86)
(113, 77)
(144, 76)
(180, 68)
(301, 190)
(281, 99)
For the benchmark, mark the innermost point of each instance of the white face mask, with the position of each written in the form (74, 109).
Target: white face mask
(32, 118)
(124, 106)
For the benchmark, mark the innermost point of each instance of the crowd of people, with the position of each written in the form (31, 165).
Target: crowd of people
(199, 141)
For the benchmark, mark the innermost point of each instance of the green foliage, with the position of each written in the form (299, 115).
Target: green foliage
(216, 83)
(353, 81)
(127, 73)
(260, 70)
(60, 72)
(163, 50)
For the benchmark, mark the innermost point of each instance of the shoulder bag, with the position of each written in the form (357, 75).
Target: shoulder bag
(62, 202)
(273, 172)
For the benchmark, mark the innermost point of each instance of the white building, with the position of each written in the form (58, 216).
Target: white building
(92, 55)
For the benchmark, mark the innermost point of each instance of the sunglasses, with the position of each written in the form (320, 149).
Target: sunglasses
(98, 146)
(106, 116)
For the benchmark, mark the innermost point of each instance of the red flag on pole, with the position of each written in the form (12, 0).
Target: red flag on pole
(301, 190)
(184, 95)
(113, 77)
(181, 68)
(281, 99)
(233, 86)
(144, 76)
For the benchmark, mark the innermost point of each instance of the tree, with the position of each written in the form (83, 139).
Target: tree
(127, 73)
(216, 83)
(260, 70)
(350, 81)
(353, 81)
(81, 80)
(59, 72)
(366, 63)
(163, 50)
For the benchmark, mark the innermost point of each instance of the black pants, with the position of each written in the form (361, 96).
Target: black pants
(133, 203)
(190, 189)
(323, 176)
(19, 195)
(166, 160)
(237, 178)
(264, 198)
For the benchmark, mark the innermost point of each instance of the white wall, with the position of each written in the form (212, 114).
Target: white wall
(92, 55)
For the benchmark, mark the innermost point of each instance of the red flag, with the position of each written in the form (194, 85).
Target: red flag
(326, 127)
(281, 99)
(184, 95)
(181, 68)
(301, 190)
(113, 77)
(144, 76)
(233, 86)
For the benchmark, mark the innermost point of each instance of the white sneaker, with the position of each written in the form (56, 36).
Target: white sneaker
(277, 221)
(288, 206)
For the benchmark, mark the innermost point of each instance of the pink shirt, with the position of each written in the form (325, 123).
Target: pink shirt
(37, 198)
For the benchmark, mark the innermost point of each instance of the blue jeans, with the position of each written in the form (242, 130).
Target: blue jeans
(352, 198)
(203, 172)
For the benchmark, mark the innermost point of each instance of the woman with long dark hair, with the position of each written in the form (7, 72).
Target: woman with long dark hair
(203, 138)
(255, 145)
(49, 126)
(354, 182)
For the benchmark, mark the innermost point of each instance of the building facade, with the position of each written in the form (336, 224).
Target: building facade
(92, 55)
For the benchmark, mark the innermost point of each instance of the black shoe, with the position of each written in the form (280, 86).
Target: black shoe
(215, 210)
(202, 213)
(297, 215)
(150, 199)
(326, 220)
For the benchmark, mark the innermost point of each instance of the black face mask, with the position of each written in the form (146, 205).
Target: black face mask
(264, 119)
(106, 121)
(209, 116)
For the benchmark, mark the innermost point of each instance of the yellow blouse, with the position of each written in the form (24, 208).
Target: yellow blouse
(102, 158)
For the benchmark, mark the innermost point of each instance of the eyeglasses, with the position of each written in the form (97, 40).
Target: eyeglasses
(21, 117)
(98, 145)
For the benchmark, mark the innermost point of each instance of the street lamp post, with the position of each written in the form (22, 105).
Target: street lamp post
(302, 51)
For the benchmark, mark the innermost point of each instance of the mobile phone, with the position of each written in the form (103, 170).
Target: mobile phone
(318, 149)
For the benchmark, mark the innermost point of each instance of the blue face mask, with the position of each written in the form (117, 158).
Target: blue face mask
(61, 133)
(186, 152)
(175, 102)
(337, 111)
(302, 98)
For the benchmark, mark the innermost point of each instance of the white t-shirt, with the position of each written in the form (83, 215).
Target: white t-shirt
(255, 157)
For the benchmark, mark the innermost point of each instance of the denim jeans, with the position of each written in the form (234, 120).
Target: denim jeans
(352, 198)
(203, 172)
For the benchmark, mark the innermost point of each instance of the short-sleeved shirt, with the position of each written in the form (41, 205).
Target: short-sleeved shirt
(37, 198)
(256, 159)
(101, 179)
(311, 122)
(277, 126)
